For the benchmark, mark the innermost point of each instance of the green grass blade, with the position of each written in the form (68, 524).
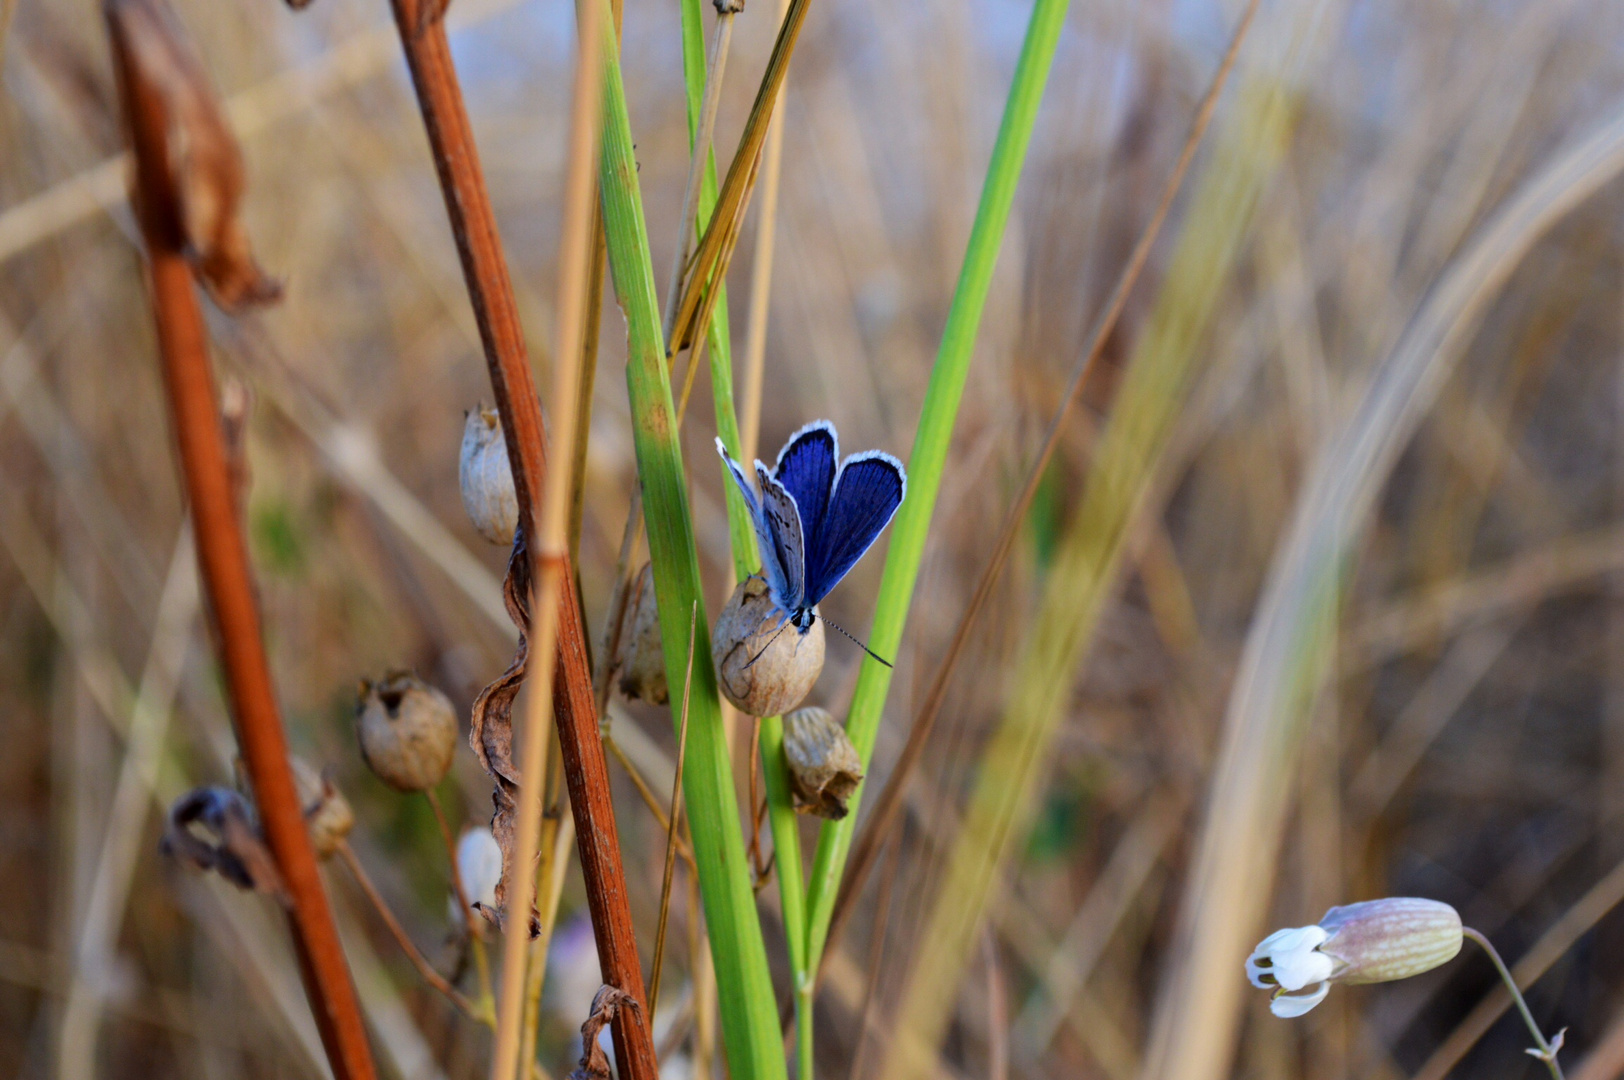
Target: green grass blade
(781, 817)
(720, 350)
(929, 455)
(749, 1019)
(1086, 568)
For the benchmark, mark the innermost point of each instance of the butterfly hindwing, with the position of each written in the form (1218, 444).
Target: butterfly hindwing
(868, 488)
(806, 467)
(783, 520)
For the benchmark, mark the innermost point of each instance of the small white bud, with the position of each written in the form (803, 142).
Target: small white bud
(1369, 942)
(486, 478)
(479, 864)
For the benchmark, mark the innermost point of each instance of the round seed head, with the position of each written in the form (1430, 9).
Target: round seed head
(642, 660)
(823, 765)
(486, 478)
(408, 731)
(763, 664)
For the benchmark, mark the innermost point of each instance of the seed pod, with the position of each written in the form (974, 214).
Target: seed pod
(486, 478)
(764, 664)
(327, 812)
(642, 661)
(408, 731)
(823, 765)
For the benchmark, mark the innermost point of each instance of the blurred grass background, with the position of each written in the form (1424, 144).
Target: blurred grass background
(1470, 743)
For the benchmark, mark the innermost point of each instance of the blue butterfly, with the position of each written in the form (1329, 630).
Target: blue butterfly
(817, 515)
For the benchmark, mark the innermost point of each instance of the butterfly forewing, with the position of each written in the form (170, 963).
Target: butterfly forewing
(806, 467)
(867, 491)
(771, 568)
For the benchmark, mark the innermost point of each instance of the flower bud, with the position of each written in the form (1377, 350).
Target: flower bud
(823, 765)
(1369, 942)
(1382, 940)
(641, 660)
(327, 812)
(486, 478)
(479, 865)
(408, 731)
(764, 664)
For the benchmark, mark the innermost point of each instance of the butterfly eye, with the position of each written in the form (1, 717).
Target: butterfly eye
(764, 663)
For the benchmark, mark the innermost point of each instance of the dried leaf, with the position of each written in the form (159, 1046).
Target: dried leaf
(238, 854)
(606, 1006)
(192, 195)
(491, 724)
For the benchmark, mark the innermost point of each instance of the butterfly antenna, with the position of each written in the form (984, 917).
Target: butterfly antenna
(859, 644)
(774, 638)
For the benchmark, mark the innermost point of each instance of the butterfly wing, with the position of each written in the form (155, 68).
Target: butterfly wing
(867, 491)
(771, 568)
(806, 467)
(783, 522)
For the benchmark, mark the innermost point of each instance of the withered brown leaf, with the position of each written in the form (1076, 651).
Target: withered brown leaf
(238, 854)
(606, 1006)
(490, 730)
(191, 196)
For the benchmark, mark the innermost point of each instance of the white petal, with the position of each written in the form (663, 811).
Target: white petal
(1289, 958)
(1290, 1006)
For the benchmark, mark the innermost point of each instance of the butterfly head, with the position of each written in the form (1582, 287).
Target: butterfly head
(802, 619)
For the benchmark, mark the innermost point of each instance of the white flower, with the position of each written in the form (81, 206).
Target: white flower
(479, 863)
(1375, 941)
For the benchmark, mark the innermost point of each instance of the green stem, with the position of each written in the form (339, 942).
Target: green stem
(746, 561)
(929, 455)
(1547, 1052)
(749, 1019)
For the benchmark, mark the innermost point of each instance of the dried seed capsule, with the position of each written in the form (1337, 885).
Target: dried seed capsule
(764, 664)
(642, 661)
(408, 731)
(327, 812)
(823, 765)
(486, 478)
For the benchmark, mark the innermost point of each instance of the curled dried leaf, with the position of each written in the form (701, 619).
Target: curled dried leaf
(237, 853)
(189, 168)
(490, 730)
(606, 1006)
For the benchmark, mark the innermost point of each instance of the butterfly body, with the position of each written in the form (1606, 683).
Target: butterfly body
(816, 515)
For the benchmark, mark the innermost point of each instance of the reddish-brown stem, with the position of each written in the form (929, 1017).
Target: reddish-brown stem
(223, 563)
(473, 226)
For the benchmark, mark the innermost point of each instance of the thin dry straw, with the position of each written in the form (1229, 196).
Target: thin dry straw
(1290, 644)
(127, 812)
(552, 554)
(885, 811)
